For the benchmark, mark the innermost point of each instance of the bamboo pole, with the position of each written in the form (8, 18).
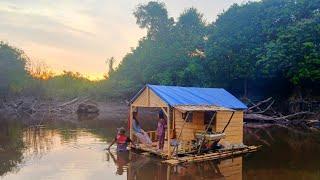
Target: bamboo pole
(130, 122)
(168, 130)
(208, 126)
(185, 120)
(228, 122)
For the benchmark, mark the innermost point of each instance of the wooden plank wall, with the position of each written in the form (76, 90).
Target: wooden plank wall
(234, 132)
(189, 127)
(149, 99)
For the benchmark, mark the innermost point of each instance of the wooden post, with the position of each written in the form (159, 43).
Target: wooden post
(168, 129)
(168, 172)
(130, 123)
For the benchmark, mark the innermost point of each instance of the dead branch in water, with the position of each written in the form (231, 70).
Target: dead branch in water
(35, 109)
(264, 112)
(257, 105)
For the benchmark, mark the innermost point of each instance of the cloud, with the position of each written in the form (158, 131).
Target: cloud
(79, 35)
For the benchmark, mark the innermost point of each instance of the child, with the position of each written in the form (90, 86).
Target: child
(122, 140)
(161, 129)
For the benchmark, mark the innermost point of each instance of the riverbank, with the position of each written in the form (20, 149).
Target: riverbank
(33, 110)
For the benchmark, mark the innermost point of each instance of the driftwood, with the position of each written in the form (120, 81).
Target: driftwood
(261, 117)
(263, 112)
(34, 109)
(258, 104)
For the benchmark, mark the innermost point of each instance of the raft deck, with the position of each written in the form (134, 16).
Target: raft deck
(191, 157)
(211, 155)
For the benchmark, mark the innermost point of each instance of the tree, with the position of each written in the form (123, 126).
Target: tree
(154, 17)
(12, 68)
(110, 63)
(295, 53)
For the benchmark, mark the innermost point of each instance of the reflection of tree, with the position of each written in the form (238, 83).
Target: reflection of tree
(68, 135)
(11, 146)
(38, 141)
(290, 147)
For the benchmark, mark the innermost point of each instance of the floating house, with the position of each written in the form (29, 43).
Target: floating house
(195, 118)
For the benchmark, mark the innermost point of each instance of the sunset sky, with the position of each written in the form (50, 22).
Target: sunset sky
(79, 35)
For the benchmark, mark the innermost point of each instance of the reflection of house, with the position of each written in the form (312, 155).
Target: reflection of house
(225, 169)
(189, 111)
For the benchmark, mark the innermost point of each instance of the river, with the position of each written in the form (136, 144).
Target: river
(75, 150)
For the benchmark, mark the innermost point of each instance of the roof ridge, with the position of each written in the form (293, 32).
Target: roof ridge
(184, 86)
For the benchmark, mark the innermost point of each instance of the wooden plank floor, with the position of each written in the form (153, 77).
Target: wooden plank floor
(154, 149)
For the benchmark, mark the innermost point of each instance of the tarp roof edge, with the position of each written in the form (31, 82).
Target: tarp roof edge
(141, 90)
(185, 108)
(243, 106)
(137, 95)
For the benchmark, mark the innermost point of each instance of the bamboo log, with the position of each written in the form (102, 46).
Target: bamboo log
(210, 156)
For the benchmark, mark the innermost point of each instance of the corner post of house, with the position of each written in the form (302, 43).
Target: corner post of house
(168, 130)
(130, 121)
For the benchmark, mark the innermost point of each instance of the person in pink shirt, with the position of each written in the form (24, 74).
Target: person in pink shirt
(161, 129)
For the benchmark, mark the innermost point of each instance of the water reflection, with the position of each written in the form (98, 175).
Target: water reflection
(66, 150)
(120, 159)
(11, 146)
(137, 166)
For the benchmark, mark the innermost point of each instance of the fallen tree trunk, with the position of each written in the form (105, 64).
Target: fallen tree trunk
(270, 119)
(263, 112)
(259, 117)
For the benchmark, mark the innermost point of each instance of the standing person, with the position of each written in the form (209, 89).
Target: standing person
(161, 129)
(139, 132)
(122, 140)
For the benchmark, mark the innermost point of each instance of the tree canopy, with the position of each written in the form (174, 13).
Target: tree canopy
(251, 44)
(12, 68)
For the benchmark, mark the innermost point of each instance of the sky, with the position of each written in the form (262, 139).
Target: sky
(80, 35)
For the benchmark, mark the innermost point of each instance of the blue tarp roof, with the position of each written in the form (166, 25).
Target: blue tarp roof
(175, 95)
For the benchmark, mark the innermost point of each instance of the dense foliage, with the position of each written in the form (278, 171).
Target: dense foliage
(12, 68)
(271, 44)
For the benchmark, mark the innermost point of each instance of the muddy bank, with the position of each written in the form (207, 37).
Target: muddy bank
(33, 110)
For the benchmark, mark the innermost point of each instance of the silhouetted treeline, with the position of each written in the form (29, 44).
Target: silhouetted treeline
(20, 77)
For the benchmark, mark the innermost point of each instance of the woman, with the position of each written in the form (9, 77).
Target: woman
(139, 132)
(161, 129)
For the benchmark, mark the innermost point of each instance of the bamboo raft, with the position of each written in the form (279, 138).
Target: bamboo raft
(187, 158)
(211, 156)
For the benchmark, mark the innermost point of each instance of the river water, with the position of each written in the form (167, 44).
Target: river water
(75, 150)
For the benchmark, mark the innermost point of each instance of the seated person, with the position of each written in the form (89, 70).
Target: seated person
(139, 132)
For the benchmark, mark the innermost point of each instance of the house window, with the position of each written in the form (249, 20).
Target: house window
(207, 117)
(188, 116)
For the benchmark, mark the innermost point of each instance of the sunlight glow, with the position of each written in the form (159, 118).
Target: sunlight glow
(79, 37)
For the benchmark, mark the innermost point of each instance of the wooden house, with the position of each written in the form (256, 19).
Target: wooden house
(189, 111)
